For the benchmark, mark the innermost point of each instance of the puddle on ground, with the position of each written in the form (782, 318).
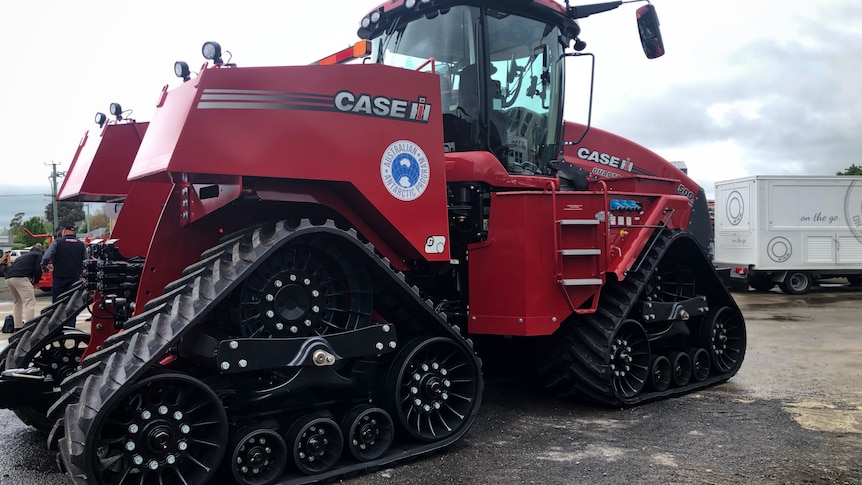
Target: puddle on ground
(829, 417)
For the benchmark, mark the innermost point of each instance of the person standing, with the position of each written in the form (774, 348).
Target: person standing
(66, 254)
(21, 279)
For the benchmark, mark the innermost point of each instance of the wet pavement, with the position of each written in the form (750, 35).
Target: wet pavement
(792, 415)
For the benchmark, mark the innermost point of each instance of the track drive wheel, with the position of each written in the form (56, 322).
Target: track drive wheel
(369, 432)
(167, 428)
(660, 374)
(680, 365)
(797, 283)
(315, 443)
(434, 385)
(723, 336)
(629, 359)
(306, 289)
(57, 359)
(257, 456)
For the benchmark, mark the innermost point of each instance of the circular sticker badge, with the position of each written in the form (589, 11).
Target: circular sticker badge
(853, 208)
(735, 208)
(404, 170)
(779, 249)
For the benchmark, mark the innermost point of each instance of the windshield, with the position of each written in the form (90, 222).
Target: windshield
(516, 112)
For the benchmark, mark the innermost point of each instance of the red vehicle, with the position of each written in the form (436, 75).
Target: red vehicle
(98, 172)
(305, 254)
(47, 278)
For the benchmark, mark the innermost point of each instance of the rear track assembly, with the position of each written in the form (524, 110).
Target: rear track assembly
(609, 357)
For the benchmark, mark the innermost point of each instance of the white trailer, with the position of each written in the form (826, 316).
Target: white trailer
(789, 230)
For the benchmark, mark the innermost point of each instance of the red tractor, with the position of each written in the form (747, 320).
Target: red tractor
(305, 254)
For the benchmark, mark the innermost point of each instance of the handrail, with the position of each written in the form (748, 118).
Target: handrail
(429, 61)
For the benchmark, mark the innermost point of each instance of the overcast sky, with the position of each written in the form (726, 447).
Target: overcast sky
(746, 87)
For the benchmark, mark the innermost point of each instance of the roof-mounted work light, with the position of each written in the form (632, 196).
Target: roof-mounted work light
(181, 69)
(212, 52)
(101, 119)
(116, 110)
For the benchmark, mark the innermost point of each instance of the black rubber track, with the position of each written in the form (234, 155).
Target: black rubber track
(47, 325)
(128, 355)
(575, 359)
(46, 329)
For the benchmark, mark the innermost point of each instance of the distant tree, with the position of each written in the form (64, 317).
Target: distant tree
(851, 170)
(67, 213)
(16, 221)
(15, 227)
(98, 220)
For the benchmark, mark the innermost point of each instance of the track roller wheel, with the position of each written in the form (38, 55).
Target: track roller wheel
(434, 384)
(167, 428)
(723, 336)
(257, 456)
(680, 365)
(699, 364)
(369, 432)
(315, 444)
(660, 374)
(57, 359)
(629, 359)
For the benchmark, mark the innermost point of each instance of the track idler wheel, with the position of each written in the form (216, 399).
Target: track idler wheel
(315, 444)
(167, 428)
(723, 336)
(433, 387)
(369, 432)
(699, 364)
(680, 365)
(257, 456)
(629, 359)
(660, 374)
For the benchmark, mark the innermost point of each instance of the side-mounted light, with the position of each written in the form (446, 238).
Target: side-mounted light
(101, 119)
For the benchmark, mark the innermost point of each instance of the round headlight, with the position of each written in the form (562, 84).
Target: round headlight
(410, 3)
(211, 51)
(366, 22)
(375, 17)
(115, 109)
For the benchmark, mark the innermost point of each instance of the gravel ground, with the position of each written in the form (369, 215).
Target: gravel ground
(793, 415)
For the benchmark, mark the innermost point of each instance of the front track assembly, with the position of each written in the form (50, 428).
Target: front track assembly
(210, 377)
(670, 327)
(40, 356)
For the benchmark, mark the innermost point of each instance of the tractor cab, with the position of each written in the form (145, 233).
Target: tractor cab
(500, 65)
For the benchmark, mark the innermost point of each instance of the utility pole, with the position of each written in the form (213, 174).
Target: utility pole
(54, 176)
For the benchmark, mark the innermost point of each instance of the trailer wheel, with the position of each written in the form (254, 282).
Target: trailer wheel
(796, 283)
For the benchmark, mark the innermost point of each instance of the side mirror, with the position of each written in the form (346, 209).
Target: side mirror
(649, 31)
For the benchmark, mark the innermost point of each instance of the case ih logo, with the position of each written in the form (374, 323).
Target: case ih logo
(401, 109)
(606, 159)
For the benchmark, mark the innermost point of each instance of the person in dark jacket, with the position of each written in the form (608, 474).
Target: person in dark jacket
(66, 255)
(21, 279)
